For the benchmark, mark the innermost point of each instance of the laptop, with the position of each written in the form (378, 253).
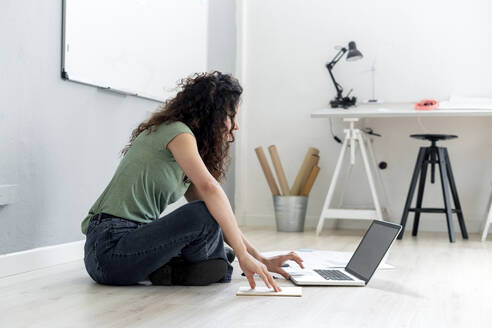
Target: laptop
(363, 263)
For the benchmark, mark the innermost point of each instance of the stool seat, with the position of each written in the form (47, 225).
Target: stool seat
(433, 137)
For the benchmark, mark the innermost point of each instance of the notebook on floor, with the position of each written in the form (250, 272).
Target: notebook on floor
(265, 291)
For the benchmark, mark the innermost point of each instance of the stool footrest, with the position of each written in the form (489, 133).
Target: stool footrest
(432, 210)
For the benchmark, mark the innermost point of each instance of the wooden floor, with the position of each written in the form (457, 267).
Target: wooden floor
(435, 284)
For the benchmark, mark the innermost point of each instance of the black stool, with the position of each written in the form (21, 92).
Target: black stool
(434, 155)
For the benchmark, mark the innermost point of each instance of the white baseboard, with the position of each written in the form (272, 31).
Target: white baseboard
(42, 257)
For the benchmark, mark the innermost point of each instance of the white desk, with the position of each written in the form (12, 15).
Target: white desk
(395, 110)
(354, 137)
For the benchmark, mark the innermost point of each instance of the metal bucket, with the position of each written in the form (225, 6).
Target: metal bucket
(290, 212)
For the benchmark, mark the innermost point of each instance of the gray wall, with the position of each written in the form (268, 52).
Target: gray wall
(60, 140)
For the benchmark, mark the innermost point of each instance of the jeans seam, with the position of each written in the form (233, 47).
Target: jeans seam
(96, 261)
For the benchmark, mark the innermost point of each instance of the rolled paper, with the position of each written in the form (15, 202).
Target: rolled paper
(267, 171)
(310, 181)
(304, 171)
(279, 170)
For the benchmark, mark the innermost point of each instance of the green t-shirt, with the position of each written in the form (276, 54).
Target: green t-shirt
(147, 179)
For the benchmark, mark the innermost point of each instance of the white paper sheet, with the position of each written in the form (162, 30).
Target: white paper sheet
(316, 259)
(457, 102)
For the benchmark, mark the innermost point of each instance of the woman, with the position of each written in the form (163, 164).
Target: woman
(181, 149)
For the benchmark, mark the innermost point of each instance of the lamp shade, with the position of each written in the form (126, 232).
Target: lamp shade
(353, 54)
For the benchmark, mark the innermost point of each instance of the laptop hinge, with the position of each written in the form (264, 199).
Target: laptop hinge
(355, 274)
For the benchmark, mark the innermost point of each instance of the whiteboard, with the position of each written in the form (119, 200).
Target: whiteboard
(137, 47)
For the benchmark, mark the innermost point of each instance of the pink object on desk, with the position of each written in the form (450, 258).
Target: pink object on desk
(427, 104)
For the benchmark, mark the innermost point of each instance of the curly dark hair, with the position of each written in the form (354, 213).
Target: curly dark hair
(203, 103)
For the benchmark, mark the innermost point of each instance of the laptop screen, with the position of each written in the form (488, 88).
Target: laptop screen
(372, 249)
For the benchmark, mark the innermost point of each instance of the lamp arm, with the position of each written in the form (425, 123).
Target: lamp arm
(330, 65)
(338, 87)
(337, 57)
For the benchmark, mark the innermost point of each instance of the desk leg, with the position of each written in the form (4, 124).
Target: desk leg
(346, 179)
(353, 138)
(379, 177)
(333, 183)
(375, 199)
(487, 224)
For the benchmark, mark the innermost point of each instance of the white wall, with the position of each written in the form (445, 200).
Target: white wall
(420, 48)
(60, 141)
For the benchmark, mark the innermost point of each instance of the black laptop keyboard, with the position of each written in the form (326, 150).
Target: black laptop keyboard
(333, 275)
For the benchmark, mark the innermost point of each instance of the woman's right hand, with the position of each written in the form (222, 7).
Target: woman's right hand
(250, 266)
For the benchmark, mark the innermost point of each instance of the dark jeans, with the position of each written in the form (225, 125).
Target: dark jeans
(124, 252)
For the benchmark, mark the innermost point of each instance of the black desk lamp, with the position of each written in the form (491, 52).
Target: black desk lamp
(352, 55)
